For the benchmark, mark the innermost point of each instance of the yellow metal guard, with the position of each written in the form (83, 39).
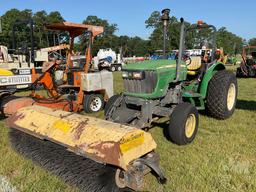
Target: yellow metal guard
(97, 139)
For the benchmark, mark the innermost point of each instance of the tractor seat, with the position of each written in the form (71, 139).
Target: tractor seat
(194, 66)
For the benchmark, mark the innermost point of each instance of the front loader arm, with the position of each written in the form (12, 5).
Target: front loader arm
(47, 81)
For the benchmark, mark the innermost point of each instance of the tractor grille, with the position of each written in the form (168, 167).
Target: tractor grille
(145, 85)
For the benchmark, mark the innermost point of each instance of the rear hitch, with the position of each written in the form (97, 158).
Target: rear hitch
(154, 167)
(133, 177)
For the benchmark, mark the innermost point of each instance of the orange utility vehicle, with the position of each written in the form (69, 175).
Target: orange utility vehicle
(71, 85)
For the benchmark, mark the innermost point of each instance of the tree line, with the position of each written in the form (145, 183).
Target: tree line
(231, 43)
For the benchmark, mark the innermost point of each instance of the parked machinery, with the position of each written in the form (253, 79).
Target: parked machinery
(248, 65)
(106, 155)
(72, 87)
(175, 89)
(22, 56)
(109, 60)
(225, 58)
(111, 155)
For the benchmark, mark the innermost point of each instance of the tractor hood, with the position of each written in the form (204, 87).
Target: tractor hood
(151, 65)
(150, 79)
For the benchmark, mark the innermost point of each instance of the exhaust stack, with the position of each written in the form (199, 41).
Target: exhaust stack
(165, 18)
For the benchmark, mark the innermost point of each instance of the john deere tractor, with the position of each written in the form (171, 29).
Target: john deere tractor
(176, 89)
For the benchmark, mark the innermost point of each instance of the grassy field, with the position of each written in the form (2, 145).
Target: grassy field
(222, 157)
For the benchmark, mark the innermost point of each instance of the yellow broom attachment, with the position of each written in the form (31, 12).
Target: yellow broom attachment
(127, 148)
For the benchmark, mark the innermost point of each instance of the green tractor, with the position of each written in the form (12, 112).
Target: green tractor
(176, 89)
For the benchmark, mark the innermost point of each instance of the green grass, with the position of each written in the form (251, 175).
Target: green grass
(222, 157)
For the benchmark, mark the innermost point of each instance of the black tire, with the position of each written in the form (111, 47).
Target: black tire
(93, 103)
(217, 95)
(110, 103)
(177, 131)
(238, 72)
(251, 71)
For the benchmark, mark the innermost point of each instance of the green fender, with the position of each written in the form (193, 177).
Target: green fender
(208, 76)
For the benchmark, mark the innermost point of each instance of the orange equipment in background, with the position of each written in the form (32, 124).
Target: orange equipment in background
(70, 91)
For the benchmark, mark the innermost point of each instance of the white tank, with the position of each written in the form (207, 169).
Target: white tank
(105, 53)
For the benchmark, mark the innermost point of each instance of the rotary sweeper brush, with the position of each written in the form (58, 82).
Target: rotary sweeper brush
(100, 155)
(85, 174)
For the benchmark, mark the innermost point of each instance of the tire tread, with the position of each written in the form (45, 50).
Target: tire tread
(216, 101)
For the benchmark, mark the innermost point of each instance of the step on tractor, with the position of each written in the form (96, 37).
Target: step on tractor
(176, 89)
(93, 154)
(248, 65)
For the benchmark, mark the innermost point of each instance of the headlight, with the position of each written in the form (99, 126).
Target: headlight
(137, 75)
(133, 74)
(125, 74)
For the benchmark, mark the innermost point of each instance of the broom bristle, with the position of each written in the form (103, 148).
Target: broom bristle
(78, 171)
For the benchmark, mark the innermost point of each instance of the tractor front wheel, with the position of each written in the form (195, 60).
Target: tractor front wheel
(110, 104)
(183, 124)
(93, 103)
(222, 95)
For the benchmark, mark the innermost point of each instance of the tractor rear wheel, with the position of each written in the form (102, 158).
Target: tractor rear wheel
(222, 95)
(183, 124)
(93, 103)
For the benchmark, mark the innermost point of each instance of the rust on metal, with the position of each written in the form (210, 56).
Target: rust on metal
(80, 128)
(75, 28)
(11, 106)
(100, 140)
(33, 124)
(55, 48)
(11, 120)
(107, 151)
